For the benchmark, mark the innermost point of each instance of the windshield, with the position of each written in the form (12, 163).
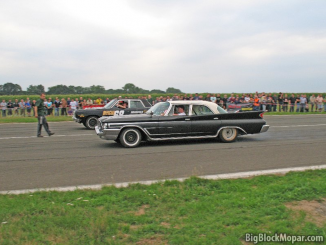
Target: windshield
(221, 110)
(109, 105)
(159, 109)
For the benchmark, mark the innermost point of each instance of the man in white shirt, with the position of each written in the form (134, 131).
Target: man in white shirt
(181, 111)
(73, 105)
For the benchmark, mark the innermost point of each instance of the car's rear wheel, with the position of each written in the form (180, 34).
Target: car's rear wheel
(130, 137)
(91, 122)
(228, 135)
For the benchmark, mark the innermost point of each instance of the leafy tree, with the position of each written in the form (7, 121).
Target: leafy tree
(60, 89)
(11, 89)
(96, 89)
(172, 90)
(157, 91)
(35, 89)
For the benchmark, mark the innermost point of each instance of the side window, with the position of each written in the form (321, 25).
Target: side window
(201, 110)
(181, 110)
(136, 104)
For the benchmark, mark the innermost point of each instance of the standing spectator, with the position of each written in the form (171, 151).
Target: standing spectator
(303, 103)
(237, 99)
(312, 102)
(319, 102)
(185, 97)
(10, 106)
(46, 106)
(57, 104)
(98, 101)
(33, 105)
(218, 99)
(208, 97)
(247, 98)
(79, 102)
(256, 103)
(167, 99)
(225, 102)
(28, 107)
(263, 100)
(292, 101)
(40, 112)
(107, 100)
(200, 97)
(285, 103)
(196, 97)
(90, 102)
(3, 107)
(274, 106)
(150, 99)
(269, 103)
(68, 102)
(325, 104)
(191, 97)
(22, 107)
(84, 103)
(16, 106)
(213, 98)
(73, 105)
(231, 99)
(50, 107)
(64, 105)
(280, 101)
(298, 103)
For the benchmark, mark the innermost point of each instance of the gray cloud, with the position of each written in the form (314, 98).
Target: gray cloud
(197, 46)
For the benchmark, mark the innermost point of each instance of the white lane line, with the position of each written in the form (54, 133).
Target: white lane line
(29, 123)
(149, 182)
(30, 137)
(76, 135)
(293, 126)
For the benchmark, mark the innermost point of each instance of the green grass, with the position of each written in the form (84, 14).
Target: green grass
(15, 119)
(196, 211)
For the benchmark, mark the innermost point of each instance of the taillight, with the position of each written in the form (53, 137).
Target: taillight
(262, 114)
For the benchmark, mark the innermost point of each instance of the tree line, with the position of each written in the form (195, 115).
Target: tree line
(129, 88)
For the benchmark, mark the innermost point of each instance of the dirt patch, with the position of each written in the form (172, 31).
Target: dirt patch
(154, 240)
(315, 210)
(141, 210)
(165, 224)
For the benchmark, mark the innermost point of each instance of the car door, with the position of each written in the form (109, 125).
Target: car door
(174, 125)
(204, 122)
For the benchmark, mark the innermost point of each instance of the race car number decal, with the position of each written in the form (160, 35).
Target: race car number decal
(108, 113)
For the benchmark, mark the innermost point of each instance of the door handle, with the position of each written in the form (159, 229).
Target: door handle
(215, 118)
(187, 119)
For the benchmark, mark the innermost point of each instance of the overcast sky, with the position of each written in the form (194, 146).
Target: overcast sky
(196, 46)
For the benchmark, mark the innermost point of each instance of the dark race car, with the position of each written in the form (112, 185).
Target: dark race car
(180, 120)
(89, 117)
(240, 107)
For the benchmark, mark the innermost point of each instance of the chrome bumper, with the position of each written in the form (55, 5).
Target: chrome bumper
(76, 119)
(264, 128)
(107, 134)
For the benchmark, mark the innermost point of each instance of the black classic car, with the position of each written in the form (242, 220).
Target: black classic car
(89, 117)
(180, 120)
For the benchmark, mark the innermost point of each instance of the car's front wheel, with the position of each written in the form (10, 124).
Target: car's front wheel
(228, 135)
(130, 137)
(91, 122)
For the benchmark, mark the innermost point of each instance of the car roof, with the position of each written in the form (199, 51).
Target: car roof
(210, 105)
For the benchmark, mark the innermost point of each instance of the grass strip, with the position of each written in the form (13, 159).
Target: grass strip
(195, 211)
(33, 119)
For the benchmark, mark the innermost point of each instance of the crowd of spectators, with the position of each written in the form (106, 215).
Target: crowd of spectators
(258, 101)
